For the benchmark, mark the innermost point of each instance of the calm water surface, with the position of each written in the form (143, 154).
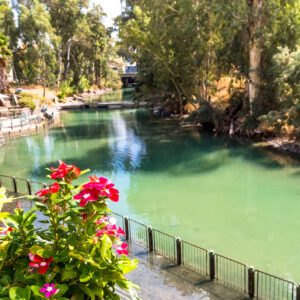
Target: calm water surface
(219, 193)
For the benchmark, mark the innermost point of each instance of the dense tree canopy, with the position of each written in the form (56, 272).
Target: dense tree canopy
(57, 42)
(184, 49)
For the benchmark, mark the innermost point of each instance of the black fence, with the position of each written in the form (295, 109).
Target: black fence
(239, 276)
(20, 186)
(227, 271)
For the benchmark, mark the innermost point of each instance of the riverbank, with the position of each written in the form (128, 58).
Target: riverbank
(283, 144)
(24, 127)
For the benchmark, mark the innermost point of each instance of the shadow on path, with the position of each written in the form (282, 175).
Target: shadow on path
(158, 278)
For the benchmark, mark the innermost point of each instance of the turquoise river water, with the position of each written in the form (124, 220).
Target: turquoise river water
(216, 192)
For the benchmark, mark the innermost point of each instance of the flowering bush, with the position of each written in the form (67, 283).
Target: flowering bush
(75, 254)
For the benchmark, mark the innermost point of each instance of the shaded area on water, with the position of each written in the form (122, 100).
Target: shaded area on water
(217, 192)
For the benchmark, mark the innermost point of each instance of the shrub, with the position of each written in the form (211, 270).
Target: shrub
(27, 100)
(66, 90)
(84, 84)
(113, 80)
(76, 254)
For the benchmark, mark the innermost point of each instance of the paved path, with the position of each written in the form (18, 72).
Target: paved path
(160, 279)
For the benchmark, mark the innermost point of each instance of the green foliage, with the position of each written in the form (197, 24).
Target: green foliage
(4, 51)
(84, 84)
(286, 119)
(56, 41)
(66, 90)
(70, 250)
(182, 48)
(28, 100)
(113, 80)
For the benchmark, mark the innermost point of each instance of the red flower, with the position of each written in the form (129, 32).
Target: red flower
(65, 171)
(97, 187)
(53, 189)
(9, 229)
(40, 262)
(42, 193)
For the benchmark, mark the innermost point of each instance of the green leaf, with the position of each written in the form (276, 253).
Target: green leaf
(34, 249)
(84, 277)
(6, 280)
(62, 289)
(127, 265)
(20, 293)
(45, 253)
(106, 245)
(68, 274)
(36, 290)
(87, 291)
(50, 276)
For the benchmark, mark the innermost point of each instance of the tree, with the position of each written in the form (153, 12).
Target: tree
(4, 54)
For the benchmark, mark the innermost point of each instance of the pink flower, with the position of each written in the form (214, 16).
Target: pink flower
(65, 171)
(9, 229)
(40, 262)
(110, 229)
(97, 187)
(49, 290)
(87, 195)
(102, 220)
(122, 249)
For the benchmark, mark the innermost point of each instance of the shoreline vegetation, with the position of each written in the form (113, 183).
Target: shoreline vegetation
(226, 67)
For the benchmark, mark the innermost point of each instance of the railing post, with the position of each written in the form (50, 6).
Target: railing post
(126, 224)
(29, 187)
(178, 247)
(15, 185)
(298, 292)
(150, 239)
(212, 267)
(251, 282)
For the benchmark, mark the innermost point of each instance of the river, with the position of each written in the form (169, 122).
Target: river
(217, 192)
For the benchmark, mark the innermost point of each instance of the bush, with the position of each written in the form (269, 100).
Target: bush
(84, 84)
(66, 90)
(27, 100)
(76, 254)
(113, 80)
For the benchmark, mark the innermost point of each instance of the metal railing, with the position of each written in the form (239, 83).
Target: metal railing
(234, 274)
(255, 283)
(19, 185)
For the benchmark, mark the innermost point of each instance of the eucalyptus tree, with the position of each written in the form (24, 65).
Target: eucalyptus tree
(4, 54)
(182, 47)
(34, 54)
(7, 24)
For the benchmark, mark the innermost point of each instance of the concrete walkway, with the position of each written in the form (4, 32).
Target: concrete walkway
(160, 279)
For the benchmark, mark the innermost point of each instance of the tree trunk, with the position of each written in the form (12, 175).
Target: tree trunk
(69, 44)
(255, 49)
(4, 84)
(59, 62)
(98, 73)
